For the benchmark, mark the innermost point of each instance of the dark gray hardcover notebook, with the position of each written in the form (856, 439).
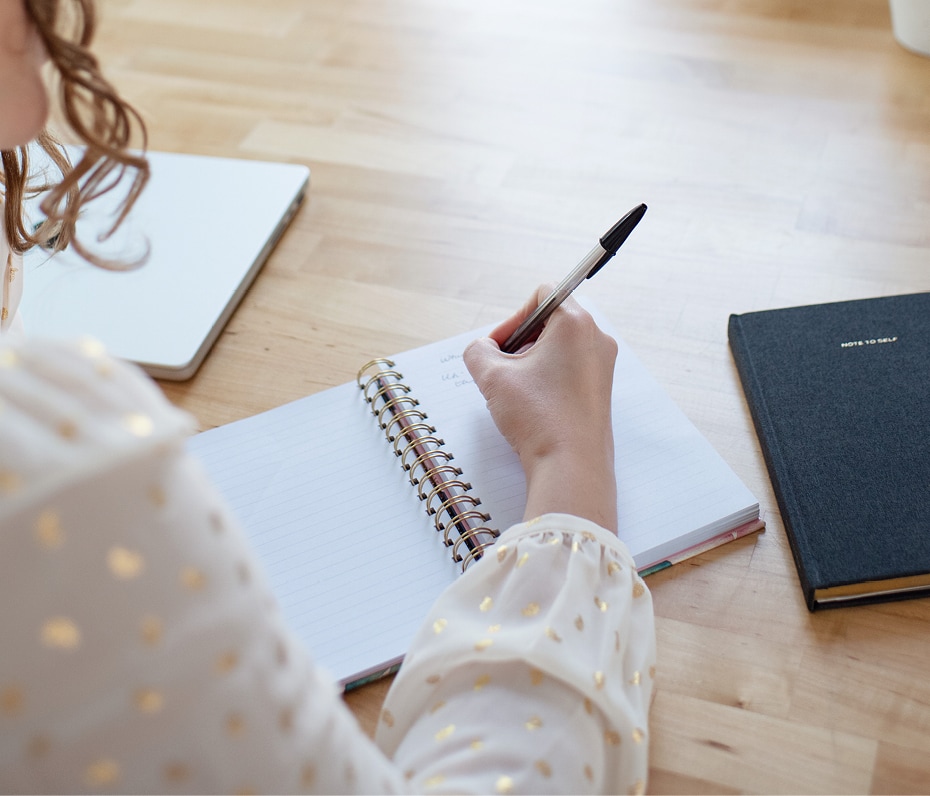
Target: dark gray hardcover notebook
(840, 397)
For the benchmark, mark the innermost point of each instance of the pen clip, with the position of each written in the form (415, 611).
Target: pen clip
(600, 263)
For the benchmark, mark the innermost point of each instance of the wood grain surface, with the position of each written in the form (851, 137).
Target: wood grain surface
(462, 152)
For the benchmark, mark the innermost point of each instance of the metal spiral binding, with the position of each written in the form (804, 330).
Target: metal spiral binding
(428, 465)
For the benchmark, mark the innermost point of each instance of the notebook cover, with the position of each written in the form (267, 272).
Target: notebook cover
(840, 397)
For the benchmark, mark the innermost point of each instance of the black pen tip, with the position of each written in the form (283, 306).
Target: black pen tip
(613, 239)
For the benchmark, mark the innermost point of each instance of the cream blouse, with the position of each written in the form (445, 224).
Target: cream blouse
(142, 650)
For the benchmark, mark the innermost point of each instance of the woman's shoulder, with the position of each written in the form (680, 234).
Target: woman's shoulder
(69, 409)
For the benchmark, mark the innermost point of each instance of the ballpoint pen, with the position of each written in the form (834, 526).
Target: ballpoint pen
(605, 248)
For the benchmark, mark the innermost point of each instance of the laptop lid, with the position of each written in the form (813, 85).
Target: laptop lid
(210, 223)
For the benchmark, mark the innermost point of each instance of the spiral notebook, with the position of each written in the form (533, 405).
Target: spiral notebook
(366, 500)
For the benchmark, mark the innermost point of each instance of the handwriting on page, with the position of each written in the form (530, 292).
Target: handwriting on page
(453, 371)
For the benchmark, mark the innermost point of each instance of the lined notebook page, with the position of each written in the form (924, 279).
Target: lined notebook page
(352, 556)
(674, 489)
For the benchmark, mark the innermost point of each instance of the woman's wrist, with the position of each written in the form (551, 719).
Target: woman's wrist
(580, 481)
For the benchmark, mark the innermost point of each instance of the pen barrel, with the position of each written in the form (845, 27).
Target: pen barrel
(529, 330)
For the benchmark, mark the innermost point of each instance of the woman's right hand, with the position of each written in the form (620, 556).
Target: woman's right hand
(551, 401)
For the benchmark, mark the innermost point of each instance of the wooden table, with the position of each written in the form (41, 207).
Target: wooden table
(462, 152)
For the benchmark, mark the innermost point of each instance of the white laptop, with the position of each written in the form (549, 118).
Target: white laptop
(210, 224)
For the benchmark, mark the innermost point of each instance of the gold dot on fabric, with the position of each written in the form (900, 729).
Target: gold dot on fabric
(611, 738)
(103, 368)
(639, 589)
(10, 482)
(638, 735)
(439, 625)
(235, 724)
(638, 789)
(433, 679)
(523, 559)
(193, 579)
(482, 645)
(61, 633)
(308, 776)
(445, 732)
(636, 678)
(504, 785)
(11, 701)
(589, 773)
(435, 782)
(536, 677)
(550, 633)
(494, 628)
(388, 718)
(67, 429)
(91, 348)
(8, 358)
(534, 723)
(543, 768)
(600, 604)
(486, 605)
(226, 662)
(148, 700)
(534, 521)
(531, 610)
(157, 496)
(151, 630)
(579, 622)
(38, 747)
(124, 564)
(613, 568)
(482, 681)
(501, 553)
(575, 546)
(438, 706)
(598, 680)
(476, 745)
(138, 425)
(588, 706)
(176, 773)
(48, 530)
(652, 672)
(102, 772)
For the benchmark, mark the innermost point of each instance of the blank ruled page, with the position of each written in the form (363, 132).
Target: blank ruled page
(351, 554)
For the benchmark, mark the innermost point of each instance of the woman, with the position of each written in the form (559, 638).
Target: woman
(141, 649)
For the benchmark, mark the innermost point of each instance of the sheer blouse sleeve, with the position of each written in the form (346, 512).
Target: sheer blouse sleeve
(533, 673)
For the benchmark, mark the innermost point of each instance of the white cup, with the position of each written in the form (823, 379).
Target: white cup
(910, 20)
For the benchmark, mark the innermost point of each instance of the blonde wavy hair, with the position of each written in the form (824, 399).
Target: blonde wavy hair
(101, 121)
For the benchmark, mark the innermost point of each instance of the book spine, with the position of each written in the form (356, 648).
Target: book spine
(779, 473)
(439, 483)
